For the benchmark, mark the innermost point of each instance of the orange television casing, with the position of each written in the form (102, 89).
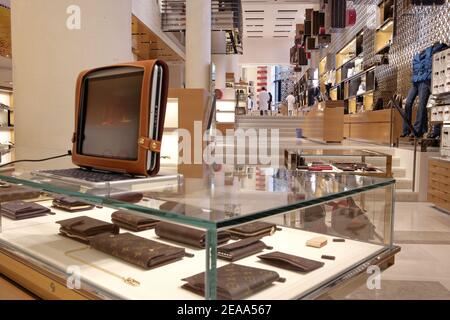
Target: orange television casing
(144, 143)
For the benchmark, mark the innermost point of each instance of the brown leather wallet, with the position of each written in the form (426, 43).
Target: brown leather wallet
(241, 249)
(84, 228)
(133, 222)
(234, 281)
(20, 210)
(254, 229)
(185, 235)
(139, 251)
(71, 204)
(290, 262)
(9, 192)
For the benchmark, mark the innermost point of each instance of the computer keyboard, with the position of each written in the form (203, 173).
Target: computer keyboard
(87, 175)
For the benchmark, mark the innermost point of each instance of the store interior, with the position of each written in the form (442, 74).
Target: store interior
(342, 108)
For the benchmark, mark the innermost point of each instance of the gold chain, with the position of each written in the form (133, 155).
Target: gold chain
(128, 280)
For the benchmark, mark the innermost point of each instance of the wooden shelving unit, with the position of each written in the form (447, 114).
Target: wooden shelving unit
(385, 29)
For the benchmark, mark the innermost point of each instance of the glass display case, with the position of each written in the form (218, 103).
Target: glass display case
(241, 232)
(348, 161)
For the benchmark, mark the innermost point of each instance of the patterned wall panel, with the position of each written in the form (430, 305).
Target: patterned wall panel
(417, 28)
(367, 11)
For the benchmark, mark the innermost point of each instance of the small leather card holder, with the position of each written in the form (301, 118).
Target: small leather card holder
(241, 249)
(290, 262)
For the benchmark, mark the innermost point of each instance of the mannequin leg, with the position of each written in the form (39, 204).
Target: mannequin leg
(412, 95)
(421, 124)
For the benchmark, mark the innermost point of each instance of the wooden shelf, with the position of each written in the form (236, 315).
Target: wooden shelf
(385, 23)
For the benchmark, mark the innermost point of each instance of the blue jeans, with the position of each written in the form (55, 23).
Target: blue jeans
(421, 89)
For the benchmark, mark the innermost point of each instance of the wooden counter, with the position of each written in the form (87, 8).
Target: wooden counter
(325, 122)
(382, 126)
(439, 183)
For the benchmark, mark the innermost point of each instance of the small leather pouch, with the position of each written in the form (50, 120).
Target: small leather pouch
(130, 197)
(71, 204)
(290, 262)
(9, 192)
(139, 251)
(20, 210)
(132, 222)
(254, 229)
(84, 228)
(185, 235)
(241, 249)
(234, 281)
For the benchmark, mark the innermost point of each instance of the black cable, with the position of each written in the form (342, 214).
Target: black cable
(69, 153)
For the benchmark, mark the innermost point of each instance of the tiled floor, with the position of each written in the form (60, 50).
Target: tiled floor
(422, 268)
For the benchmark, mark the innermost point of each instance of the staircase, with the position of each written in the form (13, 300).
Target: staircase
(287, 138)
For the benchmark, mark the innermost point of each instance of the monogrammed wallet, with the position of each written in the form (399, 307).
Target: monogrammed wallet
(84, 228)
(290, 262)
(186, 235)
(132, 221)
(234, 281)
(241, 249)
(20, 210)
(136, 250)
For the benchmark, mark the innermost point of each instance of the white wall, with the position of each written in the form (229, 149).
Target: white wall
(47, 60)
(266, 51)
(176, 76)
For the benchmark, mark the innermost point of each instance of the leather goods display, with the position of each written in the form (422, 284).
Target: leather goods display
(290, 262)
(234, 282)
(352, 167)
(71, 204)
(320, 168)
(9, 192)
(186, 235)
(139, 251)
(20, 210)
(317, 242)
(349, 220)
(133, 222)
(254, 229)
(84, 228)
(349, 166)
(241, 249)
(338, 13)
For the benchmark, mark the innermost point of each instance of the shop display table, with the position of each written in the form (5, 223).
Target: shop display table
(337, 158)
(349, 208)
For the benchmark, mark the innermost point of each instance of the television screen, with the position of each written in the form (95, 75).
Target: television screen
(111, 114)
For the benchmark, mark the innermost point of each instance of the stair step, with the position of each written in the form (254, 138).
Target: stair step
(406, 196)
(403, 183)
(399, 172)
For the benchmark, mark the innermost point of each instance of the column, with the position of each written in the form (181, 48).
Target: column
(53, 41)
(198, 44)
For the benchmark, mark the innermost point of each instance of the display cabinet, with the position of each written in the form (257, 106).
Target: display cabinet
(288, 235)
(348, 161)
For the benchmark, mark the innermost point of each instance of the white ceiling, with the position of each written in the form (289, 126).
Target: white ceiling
(274, 18)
